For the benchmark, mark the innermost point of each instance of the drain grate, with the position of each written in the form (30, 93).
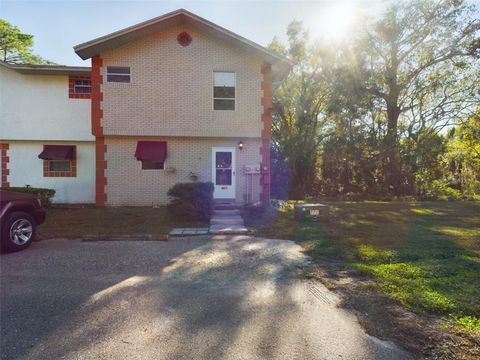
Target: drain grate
(319, 294)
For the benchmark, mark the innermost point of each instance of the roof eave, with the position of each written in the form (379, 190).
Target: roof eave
(48, 69)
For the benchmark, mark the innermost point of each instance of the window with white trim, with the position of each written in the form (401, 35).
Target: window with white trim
(223, 90)
(118, 74)
(81, 86)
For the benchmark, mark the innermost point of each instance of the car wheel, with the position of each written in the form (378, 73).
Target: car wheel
(18, 231)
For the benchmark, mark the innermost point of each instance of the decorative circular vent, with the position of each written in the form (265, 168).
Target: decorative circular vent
(184, 38)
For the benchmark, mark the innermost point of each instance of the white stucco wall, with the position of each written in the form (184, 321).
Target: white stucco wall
(37, 107)
(27, 169)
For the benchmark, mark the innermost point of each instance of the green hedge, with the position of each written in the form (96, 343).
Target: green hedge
(45, 195)
(191, 201)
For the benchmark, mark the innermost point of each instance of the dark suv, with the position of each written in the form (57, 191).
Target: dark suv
(19, 216)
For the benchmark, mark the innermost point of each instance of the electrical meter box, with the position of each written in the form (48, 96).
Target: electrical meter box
(310, 211)
(251, 169)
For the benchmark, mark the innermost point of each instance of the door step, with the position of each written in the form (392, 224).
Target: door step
(228, 229)
(226, 212)
(226, 220)
(227, 206)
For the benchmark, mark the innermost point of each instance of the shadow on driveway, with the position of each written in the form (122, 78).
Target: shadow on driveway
(189, 298)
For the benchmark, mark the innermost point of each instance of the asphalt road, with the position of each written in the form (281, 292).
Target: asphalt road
(227, 298)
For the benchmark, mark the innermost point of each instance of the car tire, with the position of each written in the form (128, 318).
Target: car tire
(18, 231)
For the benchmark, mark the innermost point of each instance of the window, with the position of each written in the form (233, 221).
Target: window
(151, 165)
(118, 74)
(152, 154)
(82, 87)
(59, 165)
(223, 90)
(59, 160)
(79, 87)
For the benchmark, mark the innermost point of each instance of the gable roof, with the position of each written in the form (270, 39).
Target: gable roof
(48, 69)
(178, 17)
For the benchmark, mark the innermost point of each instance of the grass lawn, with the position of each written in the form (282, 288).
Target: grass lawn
(426, 255)
(71, 222)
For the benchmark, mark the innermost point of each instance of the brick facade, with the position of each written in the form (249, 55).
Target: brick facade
(5, 159)
(128, 184)
(171, 89)
(170, 98)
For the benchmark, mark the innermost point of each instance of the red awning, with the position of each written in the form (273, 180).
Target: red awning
(57, 152)
(155, 151)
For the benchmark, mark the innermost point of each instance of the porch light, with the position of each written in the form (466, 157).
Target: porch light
(240, 145)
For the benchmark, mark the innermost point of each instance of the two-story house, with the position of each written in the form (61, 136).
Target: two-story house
(175, 99)
(45, 135)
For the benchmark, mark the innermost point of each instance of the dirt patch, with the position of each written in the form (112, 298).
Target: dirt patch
(425, 337)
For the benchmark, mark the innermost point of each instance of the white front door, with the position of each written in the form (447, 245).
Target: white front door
(223, 172)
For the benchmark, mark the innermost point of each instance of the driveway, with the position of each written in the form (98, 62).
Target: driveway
(189, 298)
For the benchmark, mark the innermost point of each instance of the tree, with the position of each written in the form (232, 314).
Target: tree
(368, 116)
(461, 161)
(279, 175)
(298, 105)
(16, 47)
(420, 62)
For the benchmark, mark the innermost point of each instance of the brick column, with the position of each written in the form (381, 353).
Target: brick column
(5, 159)
(266, 132)
(97, 131)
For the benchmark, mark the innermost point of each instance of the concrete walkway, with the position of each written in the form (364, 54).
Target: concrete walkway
(232, 297)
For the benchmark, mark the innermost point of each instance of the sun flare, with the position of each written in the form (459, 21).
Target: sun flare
(336, 21)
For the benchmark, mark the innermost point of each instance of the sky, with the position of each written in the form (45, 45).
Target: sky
(59, 25)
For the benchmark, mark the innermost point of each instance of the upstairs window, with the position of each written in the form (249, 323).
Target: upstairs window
(223, 90)
(79, 87)
(82, 87)
(118, 74)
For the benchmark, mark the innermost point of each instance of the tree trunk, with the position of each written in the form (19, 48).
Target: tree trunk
(298, 185)
(392, 163)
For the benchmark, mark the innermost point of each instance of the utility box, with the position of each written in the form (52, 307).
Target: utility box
(252, 169)
(310, 211)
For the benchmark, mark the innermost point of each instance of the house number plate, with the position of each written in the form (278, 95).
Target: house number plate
(314, 212)
(224, 188)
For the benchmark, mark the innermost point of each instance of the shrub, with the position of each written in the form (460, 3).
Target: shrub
(191, 201)
(45, 195)
(440, 191)
(255, 210)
